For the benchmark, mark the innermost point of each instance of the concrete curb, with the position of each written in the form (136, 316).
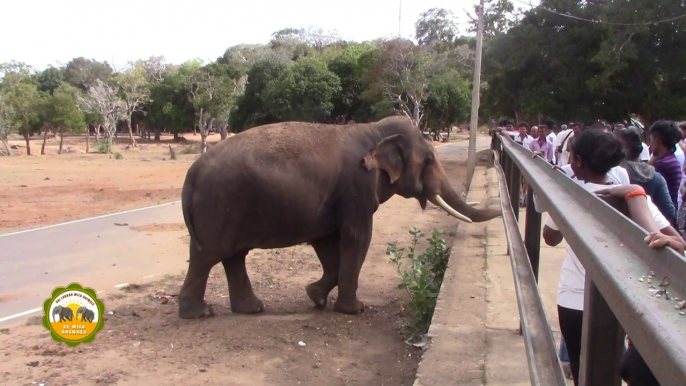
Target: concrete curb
(457, 352)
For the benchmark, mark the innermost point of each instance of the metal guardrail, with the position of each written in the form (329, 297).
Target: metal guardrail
(612, 250)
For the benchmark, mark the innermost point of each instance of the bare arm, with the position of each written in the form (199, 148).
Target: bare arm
(551, 236)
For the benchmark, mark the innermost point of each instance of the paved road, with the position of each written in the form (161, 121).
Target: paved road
(99, 254)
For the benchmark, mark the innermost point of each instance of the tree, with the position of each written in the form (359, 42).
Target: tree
(402, 71)
(251, 109)
(448, 102)
(135, 92)
(6, 121)
(24, 102)
(436, 26)
(170, 107)
(63, 113)
(15, 72)
(304, 92)
(50, 79)
(104, 100)
(348, 103)
(499, 17)
(82, 73)
(210, 91)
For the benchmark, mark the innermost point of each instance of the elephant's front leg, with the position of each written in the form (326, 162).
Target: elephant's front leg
(328, 252)
(354, 244)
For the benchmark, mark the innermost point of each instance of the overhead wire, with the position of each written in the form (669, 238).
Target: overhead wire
(600, 21)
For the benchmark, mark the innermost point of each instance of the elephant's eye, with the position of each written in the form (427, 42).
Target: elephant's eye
(429, 160)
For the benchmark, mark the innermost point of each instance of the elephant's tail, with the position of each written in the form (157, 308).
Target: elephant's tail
(186, 202)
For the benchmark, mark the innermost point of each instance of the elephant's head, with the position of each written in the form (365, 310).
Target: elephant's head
(410, 168)
(81, 310)
(57, 311)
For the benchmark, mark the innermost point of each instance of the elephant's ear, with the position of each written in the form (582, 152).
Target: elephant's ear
(387, 156)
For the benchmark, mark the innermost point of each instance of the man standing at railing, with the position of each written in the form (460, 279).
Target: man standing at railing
(525, 140)
(542, 147)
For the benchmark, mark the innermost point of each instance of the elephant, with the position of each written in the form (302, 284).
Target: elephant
(86, 314)
(285, 184)
(64, 313)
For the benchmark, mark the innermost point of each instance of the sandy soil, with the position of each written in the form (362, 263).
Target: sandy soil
(144, 341)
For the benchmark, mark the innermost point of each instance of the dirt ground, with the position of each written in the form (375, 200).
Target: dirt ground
(144, 341)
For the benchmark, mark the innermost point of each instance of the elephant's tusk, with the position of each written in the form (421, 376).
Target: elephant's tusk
(473, 203)
(450, 210)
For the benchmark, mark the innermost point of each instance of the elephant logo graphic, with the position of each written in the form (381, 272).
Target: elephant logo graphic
(73, 314)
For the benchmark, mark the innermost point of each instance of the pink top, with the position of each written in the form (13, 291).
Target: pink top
(546, 149)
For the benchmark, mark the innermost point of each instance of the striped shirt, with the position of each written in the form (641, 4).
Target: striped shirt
(668, 166)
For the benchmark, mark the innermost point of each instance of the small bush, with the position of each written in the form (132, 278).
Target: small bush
(104, 146)
(117, 155)
(422, 276)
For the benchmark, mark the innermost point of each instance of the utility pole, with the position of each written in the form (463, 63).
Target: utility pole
(471, 158)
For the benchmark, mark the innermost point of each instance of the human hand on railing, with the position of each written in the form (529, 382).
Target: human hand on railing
(660, 240)
(537, 154)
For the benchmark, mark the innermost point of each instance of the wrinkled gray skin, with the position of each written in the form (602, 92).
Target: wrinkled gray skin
(64, 313)
(86, 314)
(290, 183)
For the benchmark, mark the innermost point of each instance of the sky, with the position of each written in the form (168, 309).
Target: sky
(43, 32)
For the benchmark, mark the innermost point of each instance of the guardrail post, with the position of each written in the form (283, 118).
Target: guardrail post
(602, 342)
(515, 188)
(532, 232)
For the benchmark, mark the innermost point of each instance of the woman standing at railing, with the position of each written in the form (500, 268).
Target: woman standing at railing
(593, 154)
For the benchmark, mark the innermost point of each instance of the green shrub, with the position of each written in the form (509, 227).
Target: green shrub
(117, 155)
(104, 146)
(422, 276)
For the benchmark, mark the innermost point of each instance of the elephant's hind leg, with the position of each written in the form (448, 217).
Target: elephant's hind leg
(192, 303)
(328, 252)
(243, 299)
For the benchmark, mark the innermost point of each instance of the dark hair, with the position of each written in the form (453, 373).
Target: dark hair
(667, 132)
(599, 150)
(550, 123)
(523, 124)
(632, 142)
(593, 125)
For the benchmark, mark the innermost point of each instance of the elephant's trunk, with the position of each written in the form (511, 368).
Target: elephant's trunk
(451, 202)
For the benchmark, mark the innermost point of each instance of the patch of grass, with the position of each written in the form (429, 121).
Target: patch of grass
(117, 155)
(422, 276)
(4, 331)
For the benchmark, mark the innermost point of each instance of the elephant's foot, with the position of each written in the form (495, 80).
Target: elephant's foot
(348, 306)
(249, 305)
(194, 310)
(318, 294)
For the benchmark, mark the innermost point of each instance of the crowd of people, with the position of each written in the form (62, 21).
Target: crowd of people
(613, 160)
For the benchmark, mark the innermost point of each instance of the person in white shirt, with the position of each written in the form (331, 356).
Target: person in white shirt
(562, 142)
(594, 153)
(523, 138)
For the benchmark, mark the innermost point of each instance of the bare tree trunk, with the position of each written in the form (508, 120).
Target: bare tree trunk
(88, 140)
(97, 133)
(28, 143)
(61, 141)
(223, 131)
(128, 125)
(45, 137)
(157, 133)
(204, 129)
(172, 152)
(7, 147)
